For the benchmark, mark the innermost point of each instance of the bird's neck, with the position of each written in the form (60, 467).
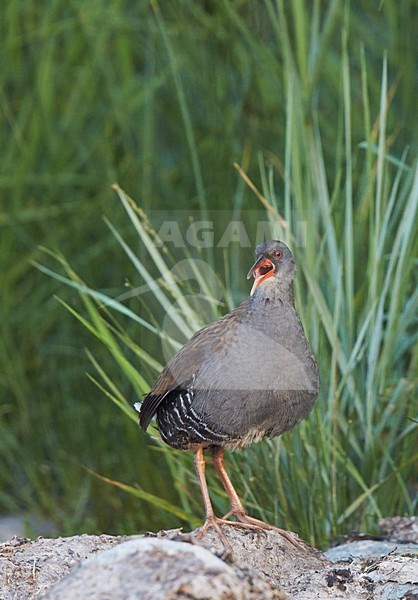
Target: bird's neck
(274, 293)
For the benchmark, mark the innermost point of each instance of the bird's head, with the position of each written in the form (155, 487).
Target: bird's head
(274, 265)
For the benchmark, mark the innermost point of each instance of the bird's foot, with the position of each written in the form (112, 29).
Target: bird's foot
(242, 519)
(216, 522)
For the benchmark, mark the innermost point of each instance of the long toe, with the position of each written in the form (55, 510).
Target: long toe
(258, 524)
(215, 523)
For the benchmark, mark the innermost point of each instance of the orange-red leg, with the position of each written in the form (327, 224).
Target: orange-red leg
(211, 519)
(237, 509)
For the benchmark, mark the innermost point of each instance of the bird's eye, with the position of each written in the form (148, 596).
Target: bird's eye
(278, 254)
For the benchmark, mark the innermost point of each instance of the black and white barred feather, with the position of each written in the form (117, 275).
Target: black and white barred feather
(178, 423)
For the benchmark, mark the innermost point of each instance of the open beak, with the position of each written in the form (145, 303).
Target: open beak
(261, 270)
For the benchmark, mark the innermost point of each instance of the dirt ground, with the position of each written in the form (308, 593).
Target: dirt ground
(172, 565)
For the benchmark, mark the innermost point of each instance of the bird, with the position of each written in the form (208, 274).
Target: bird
(249, 375)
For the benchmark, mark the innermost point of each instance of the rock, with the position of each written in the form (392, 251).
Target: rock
(389, 568)
(394, 577)
(303, 575)
(151, 568)
(168, 566)
(400, 528)
(264, 566)
(28, 568)
(369, 549)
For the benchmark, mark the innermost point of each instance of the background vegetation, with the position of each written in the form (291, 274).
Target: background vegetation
(316, 101)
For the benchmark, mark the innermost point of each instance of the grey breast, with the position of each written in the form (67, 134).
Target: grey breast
(264, 379)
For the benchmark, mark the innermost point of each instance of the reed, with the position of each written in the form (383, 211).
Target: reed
(316, 104)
